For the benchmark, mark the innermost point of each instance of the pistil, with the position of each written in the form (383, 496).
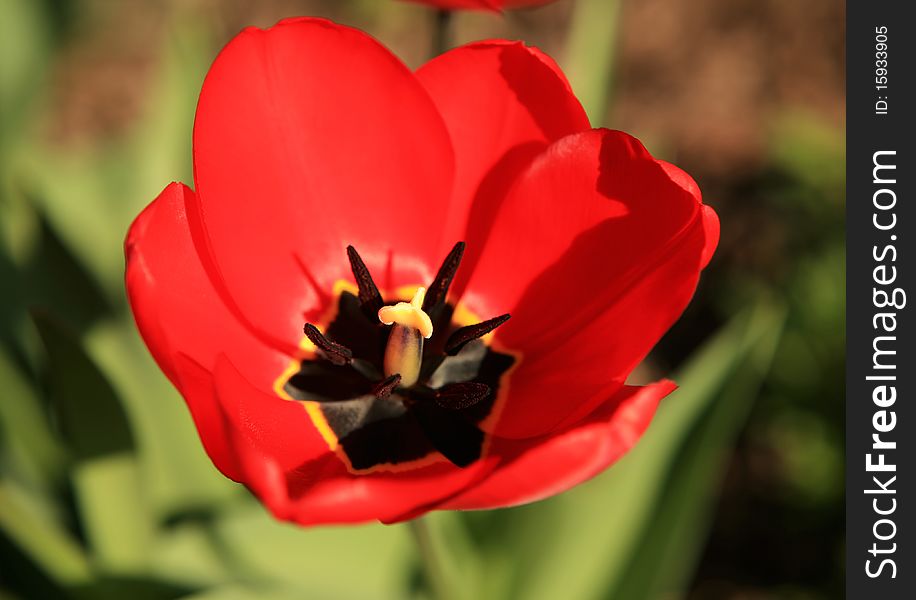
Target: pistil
(411, 325)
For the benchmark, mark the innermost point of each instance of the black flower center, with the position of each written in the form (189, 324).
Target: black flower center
(376, 419)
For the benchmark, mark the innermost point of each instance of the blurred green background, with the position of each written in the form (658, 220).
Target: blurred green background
(735, 492)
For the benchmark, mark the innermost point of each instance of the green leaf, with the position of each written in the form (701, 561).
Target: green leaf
(368, 561)
(185, 553)
(36, 533)
(90, 197)
(179, 475)
(135, 588)
(95, 428)
(240, 592)
(11, 301)
(590, 56)
(85, 406)
(58, 282)
(813, 149)
(27, 442)
(668, 547)
(82, 195)
(25, 44)
(579, 544)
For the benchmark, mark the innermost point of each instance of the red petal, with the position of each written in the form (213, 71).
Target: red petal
(186, 324)
(535, 469)
(710, 218)
(286, 462)
(270, 445)
(503, 103)
(174, 303)
(339, 497)
(310, 136)
(595, 253)
(278, 428)
(232, 450)
(196, 384)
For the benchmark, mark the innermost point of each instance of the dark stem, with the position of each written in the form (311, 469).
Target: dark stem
(441, 31)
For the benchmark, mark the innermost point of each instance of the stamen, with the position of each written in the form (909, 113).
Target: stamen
(438, 289)
(334, 352)
(458, 396)
(384, 388)
(369, 296)
(462, 336)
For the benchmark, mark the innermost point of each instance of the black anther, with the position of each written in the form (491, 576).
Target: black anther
(438, 289)
(384, 388)
(462, 336)
(332, 351)
(458, 396)
(369, 296)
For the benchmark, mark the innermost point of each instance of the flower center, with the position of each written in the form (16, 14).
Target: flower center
(398, 383)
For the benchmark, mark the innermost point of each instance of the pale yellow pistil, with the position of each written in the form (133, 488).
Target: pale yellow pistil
(411, 325)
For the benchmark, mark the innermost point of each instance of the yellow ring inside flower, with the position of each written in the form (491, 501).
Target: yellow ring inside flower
(461, 316)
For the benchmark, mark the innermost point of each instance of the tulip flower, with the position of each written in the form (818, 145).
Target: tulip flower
(392, 292)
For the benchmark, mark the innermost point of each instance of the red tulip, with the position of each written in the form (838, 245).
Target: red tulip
(497, 5)
(310, 138)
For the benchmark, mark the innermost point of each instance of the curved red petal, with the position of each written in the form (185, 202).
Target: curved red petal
(310, 136)
(710, 218)
(176, 307)
(185, 322)
(710, 235)
(330, 495)
(270, 445)
(595, 253)
(286, 462)
(535, 469)
(503, 103)
(252, 436)
(278, 428)
(232, 450)
(234, 437)
(196, 385)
